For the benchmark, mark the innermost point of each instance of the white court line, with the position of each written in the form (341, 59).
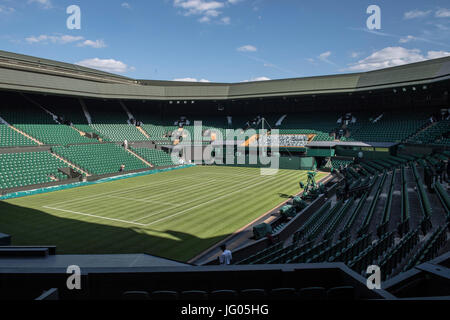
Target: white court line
(209, 181)
(203, 203)
(185, 203)
(232, 175)
(195, 200)
(181, 212)
(94, 216)
(146, 201)
(177, 190)
(132, 222)
(143, 186)
(139, 187)
(208, 196)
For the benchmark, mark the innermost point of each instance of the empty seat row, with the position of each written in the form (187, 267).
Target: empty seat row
(29, 168)
(311, 293)
(156, 157)
(100, 159)
(12, 138)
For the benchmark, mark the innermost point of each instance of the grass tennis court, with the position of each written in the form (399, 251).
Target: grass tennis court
(175, 214)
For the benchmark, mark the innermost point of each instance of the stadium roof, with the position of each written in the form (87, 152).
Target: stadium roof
(31, 74)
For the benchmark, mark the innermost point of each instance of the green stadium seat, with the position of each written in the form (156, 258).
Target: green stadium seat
(100, 159)
(156, 157)
(29, 168)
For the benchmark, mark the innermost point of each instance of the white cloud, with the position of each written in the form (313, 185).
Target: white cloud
(94, 44)
(399, 37)
(65, 39)
(416, 14)
(257, 79)
(407, 39)
(199, 7)
(247, 48)
(34, 39)
(437, 54)
(126, 5)
(4, 9)
(324, 57)
(393, 56)
(269, 64)
(60, 39)
(443, 13)
(188, 79)
(204, 19)
(355, 54)
(108, 65)
(440, 26)
(207, 9)
(46, 4)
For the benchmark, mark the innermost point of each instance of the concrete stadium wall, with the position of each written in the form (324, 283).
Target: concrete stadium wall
(110, 283)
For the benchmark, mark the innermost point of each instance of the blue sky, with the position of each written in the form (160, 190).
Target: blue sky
(227, 40)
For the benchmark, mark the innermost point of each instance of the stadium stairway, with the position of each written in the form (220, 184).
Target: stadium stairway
(82, 133)
(12, 138)
(85, 111)
(29, 168)
(385, 127)
(143, 132)
(434, 134)
(335, 227)
(124, 107)
(32, 120)
(26, 135)
(414, 136)
(70, 164)
(3, 122)
(100, 159)
(140, 158)
(111, 121)
(156, 157)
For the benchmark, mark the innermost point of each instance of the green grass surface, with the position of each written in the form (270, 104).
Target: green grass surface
(175, 214)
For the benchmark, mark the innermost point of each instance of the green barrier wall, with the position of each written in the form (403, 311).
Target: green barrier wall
(294, 163)
(372, 155)
(308, 163)
(320, 152)
(290, 163)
